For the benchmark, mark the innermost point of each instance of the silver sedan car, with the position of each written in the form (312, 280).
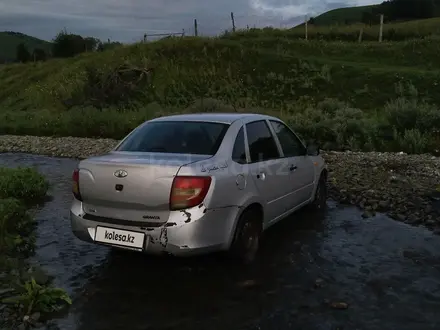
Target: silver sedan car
(196, 183)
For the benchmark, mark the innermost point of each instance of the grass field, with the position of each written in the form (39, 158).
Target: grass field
(383, 95)
(416, 29)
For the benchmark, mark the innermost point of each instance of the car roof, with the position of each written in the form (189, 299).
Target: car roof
(220, 117)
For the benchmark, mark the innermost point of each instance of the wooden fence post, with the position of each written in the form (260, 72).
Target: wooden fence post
(381, 28)
(307, 28)
(361, 33)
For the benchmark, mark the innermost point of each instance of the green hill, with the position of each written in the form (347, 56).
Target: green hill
(10, 40)
(342, 16)
(372, 95)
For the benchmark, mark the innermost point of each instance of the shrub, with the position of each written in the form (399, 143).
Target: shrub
(404, 114)
(22, 183)
(33, 297)
(15, 227)
(334, 125)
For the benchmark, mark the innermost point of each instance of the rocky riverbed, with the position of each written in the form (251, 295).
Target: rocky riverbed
(406, 187)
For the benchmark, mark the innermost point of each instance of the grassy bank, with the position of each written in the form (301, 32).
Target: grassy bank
(25, 290)
(383, 95)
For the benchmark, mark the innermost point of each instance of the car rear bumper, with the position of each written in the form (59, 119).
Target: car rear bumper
(195, 231)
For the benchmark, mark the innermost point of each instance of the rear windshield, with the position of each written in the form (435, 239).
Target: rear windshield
(183, 137)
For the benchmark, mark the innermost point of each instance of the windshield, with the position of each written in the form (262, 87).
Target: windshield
(183, 137)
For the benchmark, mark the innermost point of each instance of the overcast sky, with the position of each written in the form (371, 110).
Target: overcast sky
(128, 20)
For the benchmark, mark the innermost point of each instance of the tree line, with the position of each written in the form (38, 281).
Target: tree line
(402, 10)
(64, 45)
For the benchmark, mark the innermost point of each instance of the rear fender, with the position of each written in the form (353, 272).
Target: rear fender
(244, 203)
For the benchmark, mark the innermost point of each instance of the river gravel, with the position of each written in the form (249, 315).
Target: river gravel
(406, 187)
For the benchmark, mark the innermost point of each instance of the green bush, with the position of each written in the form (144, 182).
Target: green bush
(15, 228)
(33, 297)
(22, 183)
(404, 114)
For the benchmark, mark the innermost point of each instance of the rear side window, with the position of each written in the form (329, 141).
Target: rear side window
(239, 153)
(182, 137)
(262, 145)
(291, 145)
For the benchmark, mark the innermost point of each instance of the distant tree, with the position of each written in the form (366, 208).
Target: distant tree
(108, 45)
(22, 54)
(91, 44)
(68, 45)
(407, 9)
(39, 54)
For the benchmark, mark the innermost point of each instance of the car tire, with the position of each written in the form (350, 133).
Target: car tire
(247, 237)
(320, 201)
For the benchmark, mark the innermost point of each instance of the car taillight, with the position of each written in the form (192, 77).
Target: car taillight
(75, 184)
(188, 191)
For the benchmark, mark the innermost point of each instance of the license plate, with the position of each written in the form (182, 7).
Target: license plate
(118, 237)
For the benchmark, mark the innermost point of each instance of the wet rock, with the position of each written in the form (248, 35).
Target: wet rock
(383, 205)
(413, 219)
(401, 217)
(38, 274)
(35, 316)
(319, 283)
(367, 214)
(6, 292)
(339, 305)
(248, 284)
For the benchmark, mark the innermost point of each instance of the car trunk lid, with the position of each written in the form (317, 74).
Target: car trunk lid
(130, 188)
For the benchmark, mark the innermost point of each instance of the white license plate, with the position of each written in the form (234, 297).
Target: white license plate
(118, 237)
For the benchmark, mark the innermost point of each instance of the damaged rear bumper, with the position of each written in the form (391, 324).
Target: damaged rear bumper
(193, 231)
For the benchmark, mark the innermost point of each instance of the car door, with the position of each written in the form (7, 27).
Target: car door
(301, 174)
(264, 164)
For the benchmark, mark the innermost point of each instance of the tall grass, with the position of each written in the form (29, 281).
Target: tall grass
(418, 29)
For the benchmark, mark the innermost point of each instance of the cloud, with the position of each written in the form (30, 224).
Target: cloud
(128, 20)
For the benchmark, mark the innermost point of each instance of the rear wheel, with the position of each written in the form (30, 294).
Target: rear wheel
(247, 236)
(320, 201)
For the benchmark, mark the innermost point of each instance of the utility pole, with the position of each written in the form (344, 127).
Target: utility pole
(196, 33)
(361, 33)
(233, 21)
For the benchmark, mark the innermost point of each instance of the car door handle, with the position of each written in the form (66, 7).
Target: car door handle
(293, 168)
(261, 176)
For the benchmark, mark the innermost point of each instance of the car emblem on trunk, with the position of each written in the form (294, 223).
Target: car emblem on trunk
(120, 174)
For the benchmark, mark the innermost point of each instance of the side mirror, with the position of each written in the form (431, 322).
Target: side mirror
(312, 150)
